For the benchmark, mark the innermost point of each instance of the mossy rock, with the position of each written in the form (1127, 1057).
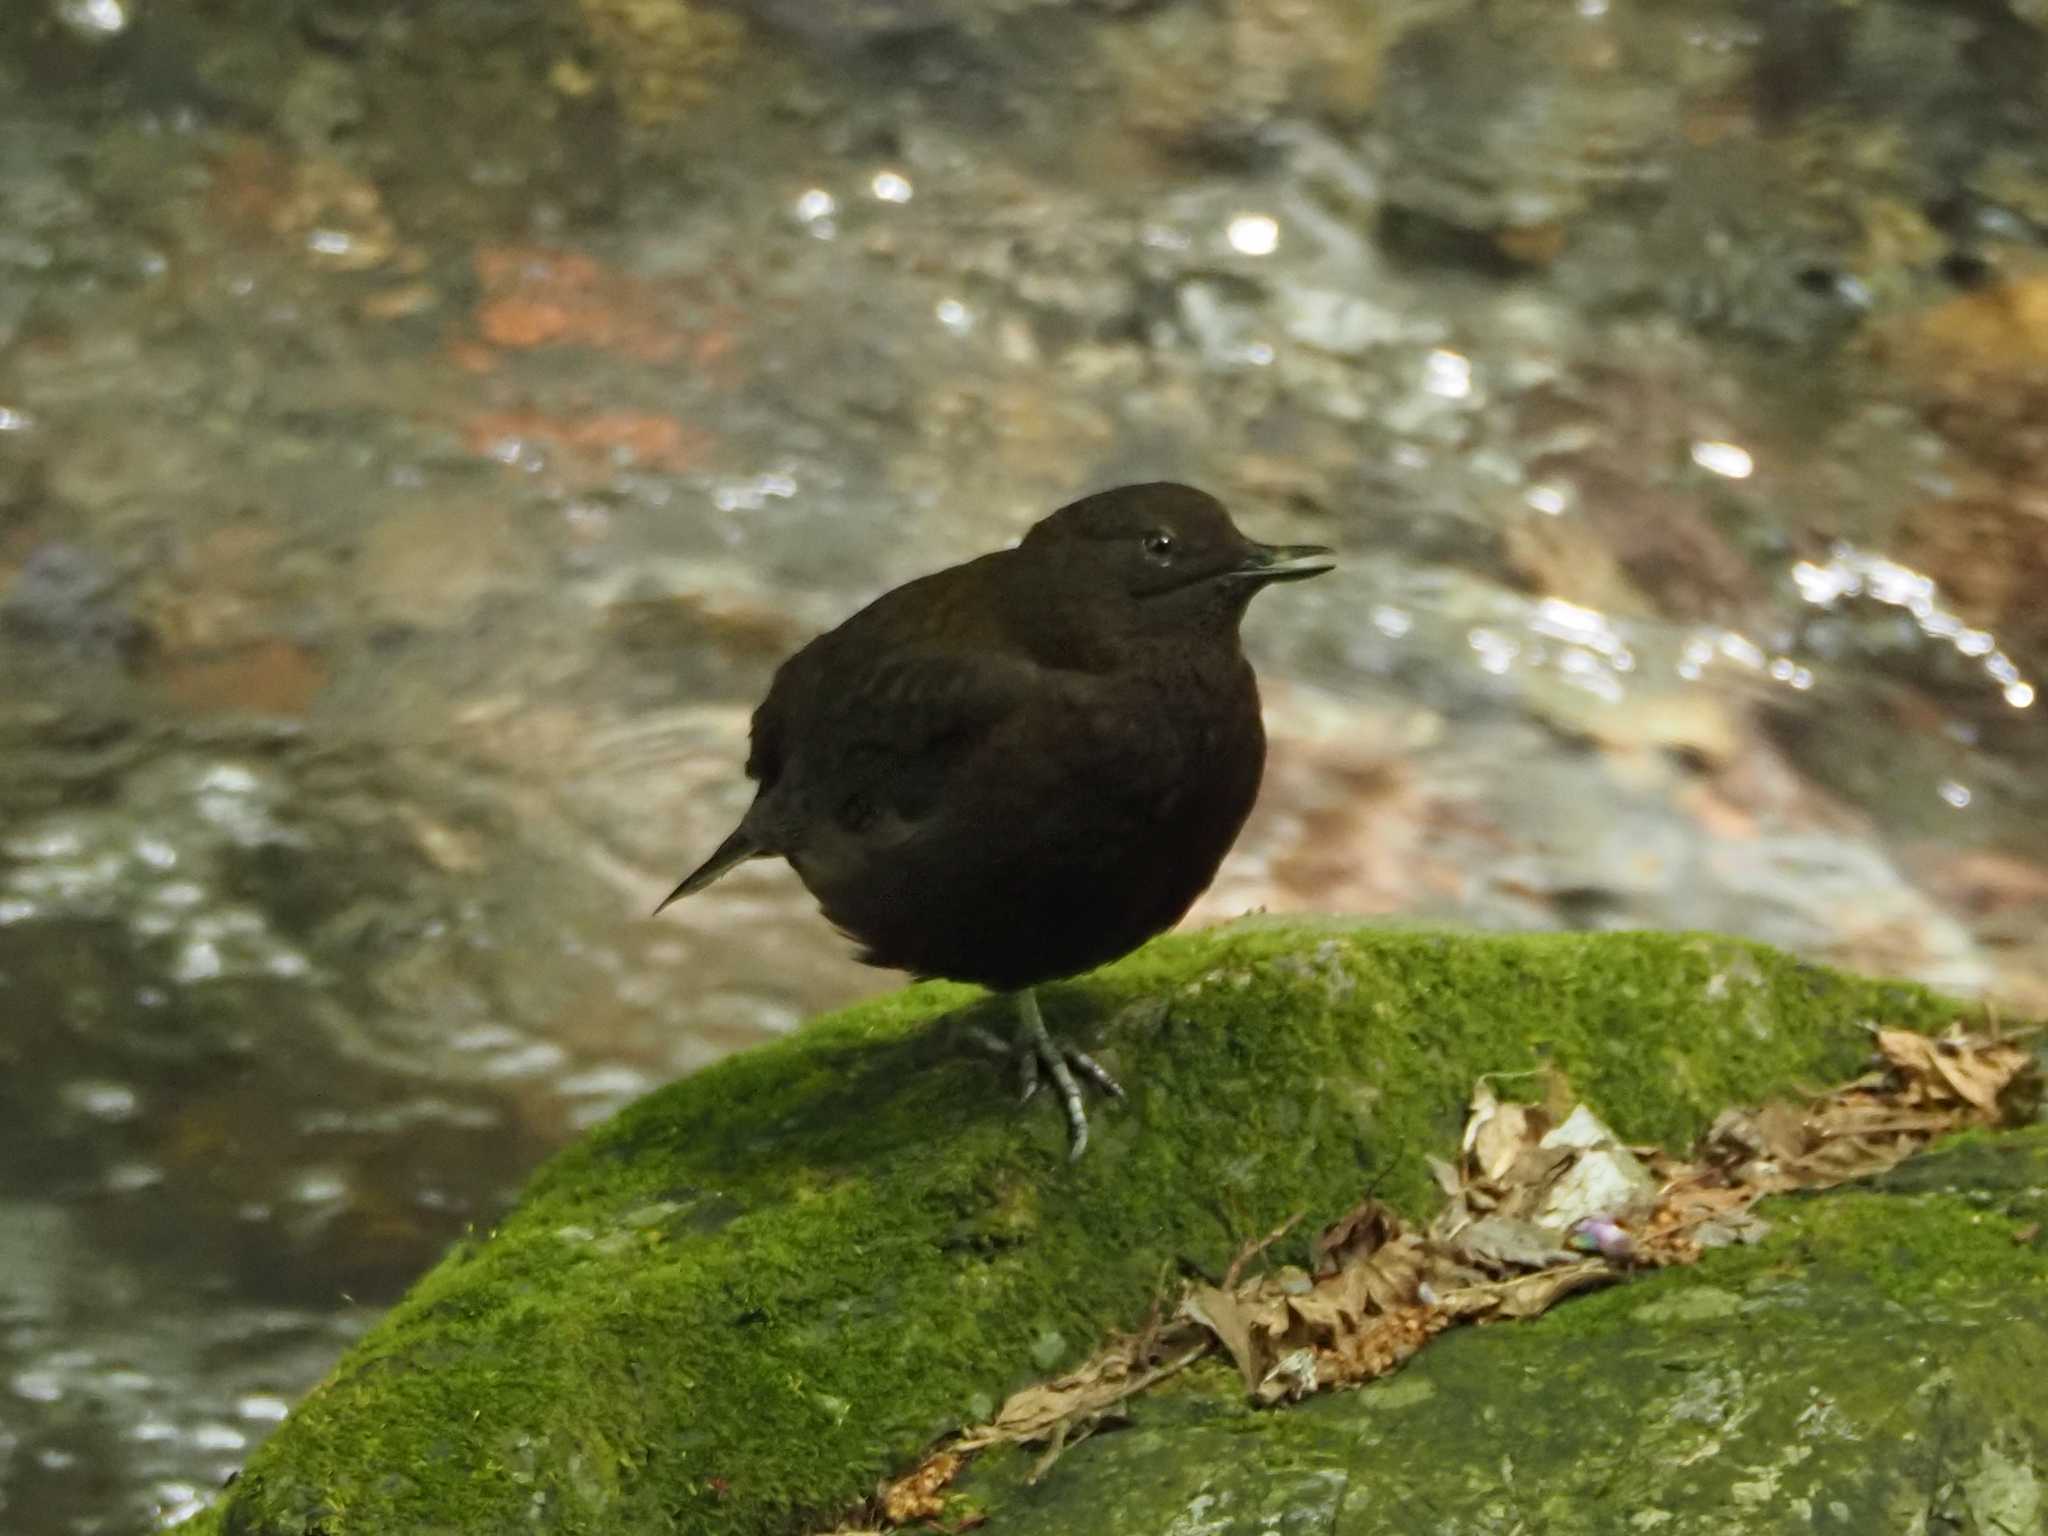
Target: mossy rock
(1874, 1366)
(747, 1298)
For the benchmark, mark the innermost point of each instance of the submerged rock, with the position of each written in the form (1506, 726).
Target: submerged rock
(757, 1292)
(1517, 118)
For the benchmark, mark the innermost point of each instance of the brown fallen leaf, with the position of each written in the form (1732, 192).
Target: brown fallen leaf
(1252, 1250)
(1506, 1242)
(1528, 1295)
(1496, 1134)
(1976, 1071)
(1048, 1409)
(919, 1496)
(1237, 1324)
(1541, 1203)
(1445, 1175)
(647, 440)
(1358, 1233)
(1384, 1344)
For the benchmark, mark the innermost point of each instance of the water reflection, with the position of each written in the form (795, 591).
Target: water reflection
(1851, 573)
(421, 435)
(1253, 234)
(1729, 460)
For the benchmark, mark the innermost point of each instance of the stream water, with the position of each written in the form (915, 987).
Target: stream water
(424, 426)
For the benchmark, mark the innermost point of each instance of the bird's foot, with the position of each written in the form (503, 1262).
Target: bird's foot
(1066, 1066)
(1035, 1064)
(1039, 1057)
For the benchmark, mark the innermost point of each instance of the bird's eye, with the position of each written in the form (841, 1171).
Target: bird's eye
(1159, 545)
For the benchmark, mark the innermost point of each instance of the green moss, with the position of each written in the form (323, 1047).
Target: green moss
(1744, 1393)
(1945, 1250)
(736, 1305)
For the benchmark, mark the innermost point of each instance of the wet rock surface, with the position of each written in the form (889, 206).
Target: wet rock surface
(423, 427)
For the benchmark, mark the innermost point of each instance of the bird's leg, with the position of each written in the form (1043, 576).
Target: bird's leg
(1037, 1050)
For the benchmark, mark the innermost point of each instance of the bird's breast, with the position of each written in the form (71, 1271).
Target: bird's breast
(1181, 750)
(1087, 823)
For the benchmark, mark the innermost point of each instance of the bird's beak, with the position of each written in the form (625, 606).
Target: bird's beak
(1285, 562)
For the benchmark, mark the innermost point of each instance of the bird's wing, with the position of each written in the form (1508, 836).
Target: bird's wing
(924, 639)
(879, 742)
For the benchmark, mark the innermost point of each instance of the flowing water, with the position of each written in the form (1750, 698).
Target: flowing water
(424, 426)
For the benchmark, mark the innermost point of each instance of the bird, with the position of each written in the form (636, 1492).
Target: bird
(1022, 767)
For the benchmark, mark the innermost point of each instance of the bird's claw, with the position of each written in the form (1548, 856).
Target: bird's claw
(1095, 1072)
(1039, 1056)
(1029, 1077)
(1034, 1065)
(1066, 1066)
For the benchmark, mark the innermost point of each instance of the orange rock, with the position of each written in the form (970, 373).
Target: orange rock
(517, 322)
(2000, 330)
(472, 356)
(535, 296)
(270, 677)
(1979, 366)
(1989, 553)
(651, 441)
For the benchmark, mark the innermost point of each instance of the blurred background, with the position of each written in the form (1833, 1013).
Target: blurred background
(423, 427)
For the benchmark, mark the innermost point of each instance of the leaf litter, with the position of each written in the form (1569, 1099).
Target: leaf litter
(1537, 1206)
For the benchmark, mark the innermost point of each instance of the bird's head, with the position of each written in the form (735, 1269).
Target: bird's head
(1157, 559)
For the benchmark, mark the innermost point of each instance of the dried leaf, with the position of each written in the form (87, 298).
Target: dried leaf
(1394, 1275)
(1484, 1104)
(1525, 1188)
(1048, 1409)
(1357, 1233)
(1530, 1295)
(1783, 1133)
(1446, 1176)
(919, 1496)
(1327, 1311)
(1293, 1375)
(1502, 1242)
(1380, 1346)
(1498, 1134)
(1252, 1250)
(1231, 1320)
(1976, 1072)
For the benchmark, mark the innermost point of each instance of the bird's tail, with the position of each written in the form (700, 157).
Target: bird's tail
(737, 849)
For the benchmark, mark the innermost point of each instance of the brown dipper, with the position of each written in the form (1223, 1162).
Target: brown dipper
(1020, 768)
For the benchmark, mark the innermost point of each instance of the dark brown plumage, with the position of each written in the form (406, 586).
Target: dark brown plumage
(1022, 767)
